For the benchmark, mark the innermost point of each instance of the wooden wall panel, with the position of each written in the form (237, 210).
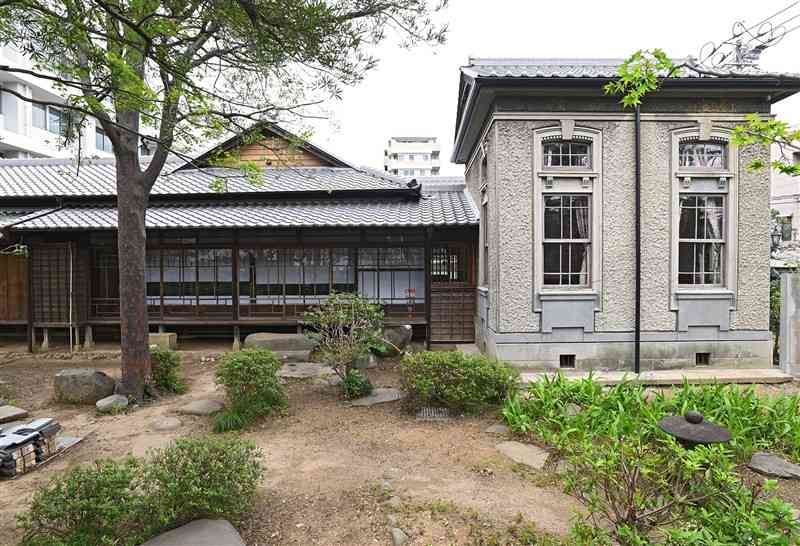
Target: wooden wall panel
(13, 288)
(276, 152)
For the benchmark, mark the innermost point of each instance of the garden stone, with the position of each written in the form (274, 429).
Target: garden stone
(527, 454)
(497, 429)
(202, 407)
(278, 342)
(295, 356)
(398, 537)
(379, 396)
(201, 532)
(166, 424)
(392, 520)
(399, 336)
(304, 370)
(394, 502)
(115, 402)
(83, 385)
(774, 466)
(11, 413)
(365, 362)
(572, 410)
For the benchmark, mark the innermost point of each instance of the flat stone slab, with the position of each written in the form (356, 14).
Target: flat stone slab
(201, 532)
(304, 370)
(165, 424)
(66, 442)
(498, 429)
(202, 407)
(12, 413)
(279, 342)
(379, 396)
(673, 377)
(527, 454)
(399, 538)
(772, 465)
(115, 402)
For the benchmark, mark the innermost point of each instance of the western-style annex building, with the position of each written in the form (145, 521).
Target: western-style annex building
(533, 259)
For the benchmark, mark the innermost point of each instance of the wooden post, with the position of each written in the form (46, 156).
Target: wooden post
(29, 302)
(45, 339)
(88, 338)
(428, 234)
(237, 345)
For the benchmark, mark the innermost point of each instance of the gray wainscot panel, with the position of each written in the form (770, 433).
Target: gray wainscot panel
(704, 309)
(568, 310)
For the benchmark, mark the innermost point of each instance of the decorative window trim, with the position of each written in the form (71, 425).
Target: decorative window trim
(722, 181)
(575, 181)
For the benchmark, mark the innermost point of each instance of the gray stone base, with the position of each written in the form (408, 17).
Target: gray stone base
(614, 351)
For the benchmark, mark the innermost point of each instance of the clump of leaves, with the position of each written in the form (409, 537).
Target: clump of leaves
(165, 366)
(252, 387)
(356, 384)
(640, 74)
(127, 502)
(468, 383)
(344, 328)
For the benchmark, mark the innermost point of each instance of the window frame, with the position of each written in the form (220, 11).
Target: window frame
(568, 141)
(569, 241)
(568, 180)
(722, 241)
(714, 140)
(709, 181)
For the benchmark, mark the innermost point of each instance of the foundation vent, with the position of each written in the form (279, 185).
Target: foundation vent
(566, 361)
(702, 359)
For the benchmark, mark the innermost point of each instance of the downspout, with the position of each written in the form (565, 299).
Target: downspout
(637, 333)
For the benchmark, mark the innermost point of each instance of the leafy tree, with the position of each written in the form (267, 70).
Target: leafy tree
(172, 73)
(642, 74)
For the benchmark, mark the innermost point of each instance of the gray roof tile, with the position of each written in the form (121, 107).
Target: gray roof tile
(439, 208)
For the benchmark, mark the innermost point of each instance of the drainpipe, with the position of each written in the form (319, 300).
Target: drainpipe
(637, 333)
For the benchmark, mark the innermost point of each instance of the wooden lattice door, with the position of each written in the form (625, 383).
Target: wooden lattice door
(452, 294)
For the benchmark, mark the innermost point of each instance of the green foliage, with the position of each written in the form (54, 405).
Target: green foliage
(640, 74)
(458, 381)
(230, 420)
(768, 132)
(626, 471)
(165, 366)
(126, 503)
(252, 386)
(344, 328)
(356, 384)
(197, 478)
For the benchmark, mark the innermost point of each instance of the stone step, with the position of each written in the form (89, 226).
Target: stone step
(672, 377)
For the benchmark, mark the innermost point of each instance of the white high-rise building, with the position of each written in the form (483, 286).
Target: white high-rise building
(29, 130)
(412, 156)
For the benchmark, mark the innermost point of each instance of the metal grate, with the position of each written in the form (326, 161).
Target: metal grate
(433, 414)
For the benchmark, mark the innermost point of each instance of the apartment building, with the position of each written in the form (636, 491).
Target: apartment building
(412, 156)
(785, 196)
(29, 130)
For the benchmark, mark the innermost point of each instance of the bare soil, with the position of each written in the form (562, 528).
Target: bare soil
(334, 473)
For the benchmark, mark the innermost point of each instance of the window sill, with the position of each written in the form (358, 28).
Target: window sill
(567, 173)
(552, 294)
(716, 293)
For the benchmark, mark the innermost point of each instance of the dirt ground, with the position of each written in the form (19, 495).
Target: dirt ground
(334, 473)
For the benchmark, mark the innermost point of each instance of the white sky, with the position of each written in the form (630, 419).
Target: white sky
(413, 92)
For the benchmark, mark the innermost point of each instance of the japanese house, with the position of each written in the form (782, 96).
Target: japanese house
(250, 257)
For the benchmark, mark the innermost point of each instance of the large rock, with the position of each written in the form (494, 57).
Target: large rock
(202, 408)
(366, 361)
(398, 337)
(201, 532)
(279, 343)
(82, 385)
(110, 404)
(164, 340)
(527, 454)
(304, 370)
(774, 466)
(11, 413)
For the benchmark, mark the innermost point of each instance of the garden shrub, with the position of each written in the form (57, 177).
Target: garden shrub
(165, 366)
(252, 387)
(356, 384)
(126, 503)
(345, 327)
(461, 382)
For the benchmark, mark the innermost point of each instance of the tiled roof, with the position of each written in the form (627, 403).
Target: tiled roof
(577, 68)
(439, 208)
(60, 178)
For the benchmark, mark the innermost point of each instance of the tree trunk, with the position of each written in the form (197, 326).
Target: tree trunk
(132, 198)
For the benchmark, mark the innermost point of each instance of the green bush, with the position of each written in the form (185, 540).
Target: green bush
(251, 385)
(458, 381)
(196, 478)
(165, 366)
(126, 503)
(356, 384)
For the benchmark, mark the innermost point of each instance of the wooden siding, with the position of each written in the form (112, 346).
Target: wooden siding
(277, 152)
(13, 289)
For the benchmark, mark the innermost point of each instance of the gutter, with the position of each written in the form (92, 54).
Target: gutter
(637, 334)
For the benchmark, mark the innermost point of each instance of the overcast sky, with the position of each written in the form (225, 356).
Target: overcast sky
(413, 92)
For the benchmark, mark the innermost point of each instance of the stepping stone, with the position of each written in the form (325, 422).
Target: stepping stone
(115, 402)
(304, 370)
(202, 407)
(66, 442)
(527, 454)
(399, 538)
(12, 413)
(379, 396)
(165, 424)
(772, 465)
(201, 532)
(498, 429)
